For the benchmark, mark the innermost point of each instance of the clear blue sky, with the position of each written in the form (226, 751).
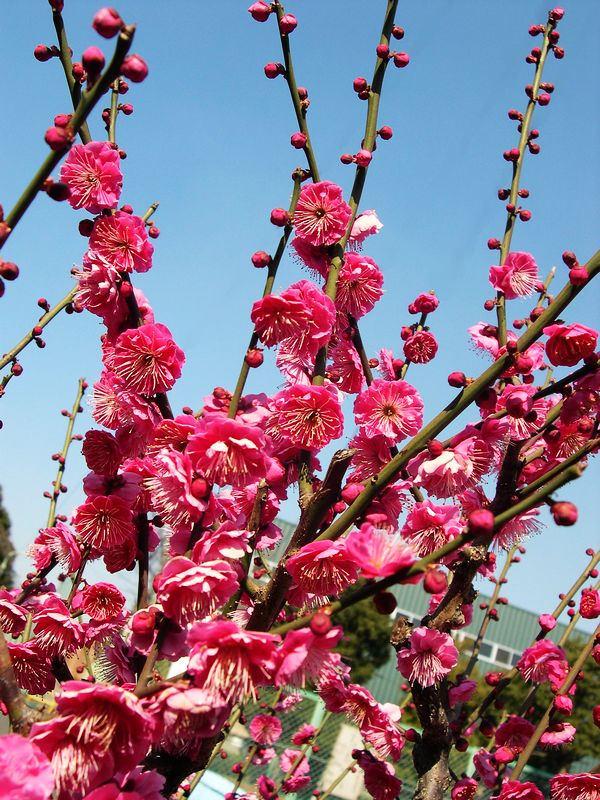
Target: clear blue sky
(209, 139)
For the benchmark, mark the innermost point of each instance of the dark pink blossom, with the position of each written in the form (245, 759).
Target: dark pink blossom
(305, 416)
(323, 567)
(366, 224)
(133, 785)
(13, 618)
(171, 489)
(420, 347)
(93, 174)
(568, 344)
(147, 359)
(543, 661)
(304, 656)
(227, 451)
(428, 527)
(100, 601)
(430, 657)
(379, 553)
(584, 786)
(103, 522)
(515, 790)
(456, 469)
(359, 285)
(123, 241)
(392, 409)
(25, 772)
(380, 779)
(102, 452)
(322, 215)
(517, 277)
(265, 728)
(189, 592)
(230, 661)
(32, 666)
(511, 738)
(56, 632)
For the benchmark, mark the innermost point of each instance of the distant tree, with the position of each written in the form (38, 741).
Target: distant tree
(7, 552)
(364, 631)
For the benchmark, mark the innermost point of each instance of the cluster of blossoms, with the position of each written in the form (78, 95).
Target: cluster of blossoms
(205, 488)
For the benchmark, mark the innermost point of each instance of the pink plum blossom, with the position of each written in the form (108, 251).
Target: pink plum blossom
(430, 657)
(93, 174)
(147, 359)
(323, 567)
(379, 553)
(366, 224)
(24, 769)
(322, 215)
(517, 277)
(584, 786)
(265, 728)
(428, 527)
(122, 240)
(227, 451)
(392, 409)
(305, 416)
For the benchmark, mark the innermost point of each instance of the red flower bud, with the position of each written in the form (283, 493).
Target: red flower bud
(59, 139)
(384, 602)
(8, 270)
(279, 217)
(43, 53)
(287, 23)
(564, 513)
(543, 99)
(254, 358)
(457, 379)
(107, 22)
(383, 51)
(360, 84)
(260, 259)
(578, 276)
(435, 581)
(260, 11)
(401, 60)
(134, 68)
(298, 140)
(385, 132)
(320, 623)
(272, 70)
(93, 61)
(481, 522)
(494, 244)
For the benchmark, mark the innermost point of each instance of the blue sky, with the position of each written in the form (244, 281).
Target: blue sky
(209, 139)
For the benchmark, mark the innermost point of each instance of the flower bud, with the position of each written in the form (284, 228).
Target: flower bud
(43, 53)
(494, 244)
(401, 60)
(481, 522)
(272, 70)
(350, 492)
(259, 11)
(320, 623)
(564, 513)
(93, 61)
(511, 155)
(279, 217)
(435, 581)
(260, 259)
(298, 140)
(59, 139)
(287, 23)
(457, 380)
(543, 99)
(556, 14)
(346, 158)
(360, 84)
(363, 158)
(384, 602)
(385, 132)
(107, 22)
(435, 448)
(524, 215)
(16, 369)
(134, 68)
(254, 357)
(558, 52)
(8, 270)
(398, 32)
(383, 51)
(547, 622)
(59, 192)
(578, 276)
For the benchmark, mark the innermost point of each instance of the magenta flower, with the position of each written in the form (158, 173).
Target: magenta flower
(304, 656)
(13, 618)
(102, 452)
(345, 369)
(32, 666)
(305, 416)
(568, 344)
(101, 601)
(380, 779)
(515, 790)
(302, 314)
(430, 657)
(392, 409)
(189, 717)
(103, 522)
(583, 786)
(98, 291)
(372, 453)
(56, 632)
(230, 661)
(557, 734)
(359, 285)
(366, 224)
(92, 173)
(122, 240)
(265, 728)
(133, 785)
(486, 768)
(147, 359)
(25, 772)
(543, 661)
(379, 553)
(429, 527)
(304, 734)
(171, 490)
(57, 542)
(517, 277)
(189, 592)
(464, 789)
(589, 604)
(420, 347)
(321, 215)
(511, 738)
(323, 567)
(227, 451)
(456, 469)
